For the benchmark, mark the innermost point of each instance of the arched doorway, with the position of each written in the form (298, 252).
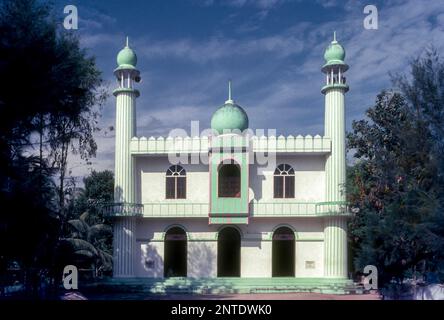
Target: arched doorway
(228, 253)
(283, 253)
(175, 253)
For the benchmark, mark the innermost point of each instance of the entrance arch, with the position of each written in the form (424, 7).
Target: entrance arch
(283, 253)
(228, 252)
(175, 253)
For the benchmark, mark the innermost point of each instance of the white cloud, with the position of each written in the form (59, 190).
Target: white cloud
(260, 4)
(277, 75)
(219, 48)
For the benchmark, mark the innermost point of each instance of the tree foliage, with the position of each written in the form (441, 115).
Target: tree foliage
(87, 239)
(50, 91)
(88, 244)
(396, 181)
(98, 190)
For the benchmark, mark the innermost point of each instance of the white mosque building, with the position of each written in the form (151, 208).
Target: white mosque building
(210, 206)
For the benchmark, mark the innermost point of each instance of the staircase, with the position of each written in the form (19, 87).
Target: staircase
(225, 286)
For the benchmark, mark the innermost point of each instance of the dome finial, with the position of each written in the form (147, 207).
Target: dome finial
(230, 99)
(334, 54)
(127, 57)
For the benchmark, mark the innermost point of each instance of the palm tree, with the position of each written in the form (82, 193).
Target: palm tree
(89, 244)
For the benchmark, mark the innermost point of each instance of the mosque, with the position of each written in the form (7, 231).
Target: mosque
(234, 215)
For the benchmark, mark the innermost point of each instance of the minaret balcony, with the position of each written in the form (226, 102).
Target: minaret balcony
(342, 86)
(126, 90)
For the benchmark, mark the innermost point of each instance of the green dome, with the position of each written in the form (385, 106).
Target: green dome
(230, 116)
(334, 52)
(127, 57)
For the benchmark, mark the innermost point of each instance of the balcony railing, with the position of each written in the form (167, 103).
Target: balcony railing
(257, 209)
(123, 209)
(176, 209)
(300, 209)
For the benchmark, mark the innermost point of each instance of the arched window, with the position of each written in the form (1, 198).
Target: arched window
(176, 183)
(229, 179)
(284, 181)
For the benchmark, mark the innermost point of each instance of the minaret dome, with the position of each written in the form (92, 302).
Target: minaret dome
(127, 58)
(334, 55)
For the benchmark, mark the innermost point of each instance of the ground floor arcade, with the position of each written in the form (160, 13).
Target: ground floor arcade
(189, 247)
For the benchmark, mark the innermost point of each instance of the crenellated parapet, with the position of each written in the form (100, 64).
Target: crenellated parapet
(271, 144)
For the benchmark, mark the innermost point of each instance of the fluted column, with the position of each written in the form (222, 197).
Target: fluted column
(335, 247)
(124, 188)
(124, 162)
(124, 242)
(335, 227)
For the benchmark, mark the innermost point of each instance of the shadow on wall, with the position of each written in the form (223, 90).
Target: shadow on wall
(256, 180)
(152, 261)
(202, 258)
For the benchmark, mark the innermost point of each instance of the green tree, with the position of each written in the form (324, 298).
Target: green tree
(395, 181)
(98, 190)
(49, 92)
(88, 234)
(88, 245)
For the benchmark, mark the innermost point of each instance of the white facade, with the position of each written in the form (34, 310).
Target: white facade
(256, 246)
(309, 180)
(302, 234)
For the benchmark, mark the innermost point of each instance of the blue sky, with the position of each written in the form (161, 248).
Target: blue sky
(271, 49)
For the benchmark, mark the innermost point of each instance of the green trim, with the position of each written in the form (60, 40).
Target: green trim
(228, 220)
(230, 210)
(126, 90)
(125, 67)
(335, 86)
(334, 64)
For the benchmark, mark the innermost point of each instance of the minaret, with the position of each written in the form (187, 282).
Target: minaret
(335, 225)
(124, 193)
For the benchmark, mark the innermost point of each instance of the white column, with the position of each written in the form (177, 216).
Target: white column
(335, 227)
(124, 245)
(124, 163)
(124, 188)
